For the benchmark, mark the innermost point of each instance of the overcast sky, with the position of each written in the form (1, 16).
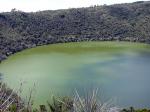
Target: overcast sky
(36, 5)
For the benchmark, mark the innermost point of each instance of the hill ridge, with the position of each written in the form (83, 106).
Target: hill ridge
(123, 22)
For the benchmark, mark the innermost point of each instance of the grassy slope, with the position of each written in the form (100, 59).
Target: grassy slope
(122, 20)
(20, 30)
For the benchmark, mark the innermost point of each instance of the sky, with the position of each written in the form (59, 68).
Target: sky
(39, 5)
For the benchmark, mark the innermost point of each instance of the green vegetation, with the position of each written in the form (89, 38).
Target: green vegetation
(9, 99)
(127, 22)
(20, 30)
(131, 109)
(11, 102)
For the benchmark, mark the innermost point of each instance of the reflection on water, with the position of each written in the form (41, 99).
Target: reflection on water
(119, 71)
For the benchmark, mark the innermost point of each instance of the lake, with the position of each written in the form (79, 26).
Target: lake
(120, 70)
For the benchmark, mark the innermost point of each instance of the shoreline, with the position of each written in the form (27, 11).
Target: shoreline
(119, 22)
(12, 47)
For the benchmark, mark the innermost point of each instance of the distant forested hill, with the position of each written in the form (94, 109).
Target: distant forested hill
(20, 30)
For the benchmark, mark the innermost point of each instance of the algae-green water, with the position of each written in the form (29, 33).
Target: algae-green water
(120, 70)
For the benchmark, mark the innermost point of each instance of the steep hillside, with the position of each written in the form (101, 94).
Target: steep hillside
(20, 30)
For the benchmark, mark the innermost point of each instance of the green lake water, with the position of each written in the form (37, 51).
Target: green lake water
(120, 70)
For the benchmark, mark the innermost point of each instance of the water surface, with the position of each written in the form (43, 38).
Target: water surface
(119, 70)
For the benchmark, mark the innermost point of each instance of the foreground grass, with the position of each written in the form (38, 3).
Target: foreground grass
(11, 102)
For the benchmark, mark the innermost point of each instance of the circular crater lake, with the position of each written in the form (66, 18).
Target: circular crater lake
(121, 71)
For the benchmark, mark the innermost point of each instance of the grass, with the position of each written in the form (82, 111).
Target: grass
(9, 98)
(11, 102)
